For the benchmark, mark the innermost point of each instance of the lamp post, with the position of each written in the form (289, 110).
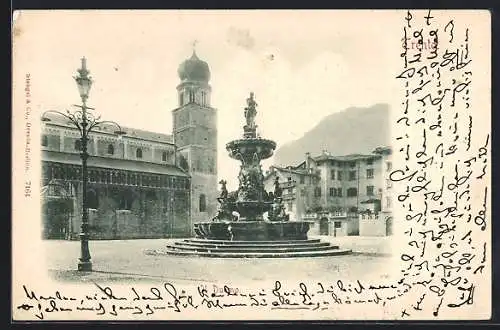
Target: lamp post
(85, 122)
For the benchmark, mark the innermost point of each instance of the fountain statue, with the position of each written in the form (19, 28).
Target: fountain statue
(251, 111)
(239, 228)
(251, 200)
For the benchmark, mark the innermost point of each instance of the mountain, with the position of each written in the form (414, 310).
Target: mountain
(352, 131)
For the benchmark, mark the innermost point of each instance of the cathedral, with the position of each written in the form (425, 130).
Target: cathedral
(142, 184)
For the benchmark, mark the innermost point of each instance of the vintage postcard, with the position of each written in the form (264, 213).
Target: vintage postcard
(251, 165)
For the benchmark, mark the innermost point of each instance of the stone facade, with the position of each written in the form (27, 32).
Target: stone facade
(379, 224)
(333, 223)
(129, 199)
(298, 189)
(141, 185)
(327, 184)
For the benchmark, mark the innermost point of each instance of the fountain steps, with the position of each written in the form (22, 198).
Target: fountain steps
(253, 243)
(253, 249)
(296, 254)
(250, 245)
(245, 247)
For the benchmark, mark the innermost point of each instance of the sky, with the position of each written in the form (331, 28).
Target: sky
(301, 65)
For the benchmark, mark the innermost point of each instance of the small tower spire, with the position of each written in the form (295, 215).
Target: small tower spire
(193, 45)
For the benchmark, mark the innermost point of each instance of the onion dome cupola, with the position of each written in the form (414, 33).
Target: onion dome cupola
(194, 87)
(194, 69)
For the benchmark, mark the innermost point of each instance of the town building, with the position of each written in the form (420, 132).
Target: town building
(142, 184)
(335, 192)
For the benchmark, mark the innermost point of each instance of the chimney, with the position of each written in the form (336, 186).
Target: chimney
(308, 157)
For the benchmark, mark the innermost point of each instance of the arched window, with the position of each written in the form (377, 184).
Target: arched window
(203, 98)
(210, 163)
(183, 163)
(92, 199)
(164, 156)
(181, 98)
(138, 153)
(126, 200)
(151, 196)
(78, 145)
(45, 141)
(111, 149)
(203, 203)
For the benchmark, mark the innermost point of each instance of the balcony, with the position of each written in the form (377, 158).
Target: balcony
(329, 215)
(310, 216)
(369, 216)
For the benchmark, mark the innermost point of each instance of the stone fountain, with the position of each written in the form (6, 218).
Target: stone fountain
(240, 229)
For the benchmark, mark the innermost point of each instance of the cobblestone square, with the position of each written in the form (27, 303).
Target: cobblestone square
(135, 260)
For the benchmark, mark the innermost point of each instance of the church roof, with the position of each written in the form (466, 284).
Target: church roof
(54, 119)
(113, 163)
(194, 69)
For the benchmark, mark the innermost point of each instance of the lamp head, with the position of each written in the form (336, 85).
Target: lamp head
(83, 80)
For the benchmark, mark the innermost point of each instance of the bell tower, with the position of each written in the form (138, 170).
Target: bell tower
(195, 136)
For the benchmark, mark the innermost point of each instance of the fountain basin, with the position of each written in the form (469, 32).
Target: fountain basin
(253, 230)
(248, 147)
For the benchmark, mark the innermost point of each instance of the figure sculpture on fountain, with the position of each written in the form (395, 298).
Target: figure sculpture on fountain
(223, 189)
(251, 186)
(251, 111)
(225, 211)
(250, 128)
(277, 212)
